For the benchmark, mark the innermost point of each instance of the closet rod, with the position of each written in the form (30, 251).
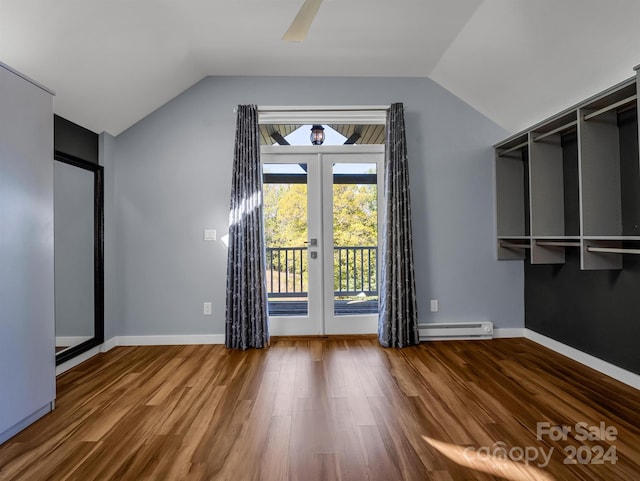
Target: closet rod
(611, 107)
(513, 245)
(557, 244)
(512, 149)
(613, 250)
(555, 131)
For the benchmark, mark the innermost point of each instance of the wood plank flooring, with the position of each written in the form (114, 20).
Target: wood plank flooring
(330, 409)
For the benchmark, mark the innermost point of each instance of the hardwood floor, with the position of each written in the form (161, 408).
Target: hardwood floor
(330, 409)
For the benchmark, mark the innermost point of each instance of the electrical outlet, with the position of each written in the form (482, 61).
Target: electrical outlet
(434, 305)
(210, 234)
(207, 309)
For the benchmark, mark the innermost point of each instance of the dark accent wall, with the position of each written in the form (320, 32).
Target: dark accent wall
(597, 312)
(74, 140)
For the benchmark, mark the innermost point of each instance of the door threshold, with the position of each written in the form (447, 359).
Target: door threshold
(321, 337)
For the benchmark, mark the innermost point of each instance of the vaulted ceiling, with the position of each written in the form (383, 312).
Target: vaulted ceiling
(112, 62)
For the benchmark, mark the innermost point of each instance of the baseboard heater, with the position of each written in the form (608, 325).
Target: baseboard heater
(455, 330)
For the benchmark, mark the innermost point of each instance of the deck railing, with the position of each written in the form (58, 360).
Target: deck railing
(355, 271)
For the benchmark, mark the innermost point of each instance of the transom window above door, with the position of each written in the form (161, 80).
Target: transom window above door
(335, 134)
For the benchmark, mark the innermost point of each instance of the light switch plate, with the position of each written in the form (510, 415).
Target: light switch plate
(434, 305)
(209, 234)
(207, 309)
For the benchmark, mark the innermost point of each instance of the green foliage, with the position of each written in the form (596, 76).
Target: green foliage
(285, 215)
(355, 209)
(355, 215)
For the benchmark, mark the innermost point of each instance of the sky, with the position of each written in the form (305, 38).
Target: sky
(302, 136)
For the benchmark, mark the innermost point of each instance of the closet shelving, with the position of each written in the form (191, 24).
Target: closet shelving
(610, 182)
(555, 218)
(512, 196)
(573, 182)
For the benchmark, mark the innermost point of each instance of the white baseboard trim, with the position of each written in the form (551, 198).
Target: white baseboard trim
(508, 332)
(109, 344)
(140, 341)
(85, 356)
(622, 375)
(79, 359)
(170, 340)
(16, 428)
(66, 341)
(611, 370)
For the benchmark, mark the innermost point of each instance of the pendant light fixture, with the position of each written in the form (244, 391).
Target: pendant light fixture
(317, 135)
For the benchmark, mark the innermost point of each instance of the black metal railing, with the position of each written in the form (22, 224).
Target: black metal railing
(287, 272)
(355, 271)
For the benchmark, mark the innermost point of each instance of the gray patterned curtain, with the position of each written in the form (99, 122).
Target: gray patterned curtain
(398, 315)
(246, 312)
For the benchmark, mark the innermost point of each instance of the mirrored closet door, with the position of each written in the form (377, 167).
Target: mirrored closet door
(78, 256)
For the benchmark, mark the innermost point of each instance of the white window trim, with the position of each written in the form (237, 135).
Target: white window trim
(362, 114)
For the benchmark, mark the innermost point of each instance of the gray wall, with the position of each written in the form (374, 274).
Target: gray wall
(27, 358)
(73, 237)
(112, 314)
(173, 178)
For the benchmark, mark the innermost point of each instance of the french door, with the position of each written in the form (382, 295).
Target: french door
(323, 207)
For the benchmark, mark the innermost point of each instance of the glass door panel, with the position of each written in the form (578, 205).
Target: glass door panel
(292, 229)
(355, 238)
(351, 204)
(286, 234)
(321, 233)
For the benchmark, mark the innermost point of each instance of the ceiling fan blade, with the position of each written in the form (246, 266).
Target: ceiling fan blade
(302, 23)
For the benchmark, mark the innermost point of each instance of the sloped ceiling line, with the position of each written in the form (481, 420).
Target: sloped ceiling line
(515, 61)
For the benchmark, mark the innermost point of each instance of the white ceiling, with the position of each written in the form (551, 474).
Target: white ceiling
(112, 62)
